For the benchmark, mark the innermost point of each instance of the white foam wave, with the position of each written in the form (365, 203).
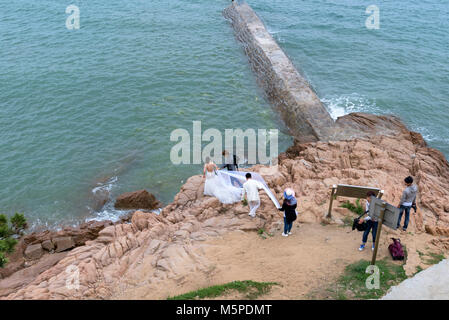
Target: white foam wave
(107, 186)
(426, 133)
(108, 213)
(339, 106)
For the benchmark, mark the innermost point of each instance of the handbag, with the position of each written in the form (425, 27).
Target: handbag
(359, 226)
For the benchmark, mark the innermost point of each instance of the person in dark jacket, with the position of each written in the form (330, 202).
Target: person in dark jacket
(231, 164)
(230, 161)
(371, 223)
(289, 208)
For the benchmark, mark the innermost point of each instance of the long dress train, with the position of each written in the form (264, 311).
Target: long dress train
(214, 187)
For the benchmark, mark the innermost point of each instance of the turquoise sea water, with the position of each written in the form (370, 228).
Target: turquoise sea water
(95, 107)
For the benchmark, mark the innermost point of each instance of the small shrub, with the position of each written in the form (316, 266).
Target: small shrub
(357, 208)
(7, 245)
(418, 269)
(19, 223)
(8, 231)
(3, 260)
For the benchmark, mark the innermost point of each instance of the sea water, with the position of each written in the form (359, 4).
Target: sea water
(93, 108)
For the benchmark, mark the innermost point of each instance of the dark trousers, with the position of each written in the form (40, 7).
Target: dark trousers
(407, 216)
(287, 226)
(371, 225)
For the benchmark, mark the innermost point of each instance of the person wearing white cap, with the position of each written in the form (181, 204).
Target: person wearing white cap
(289, 208)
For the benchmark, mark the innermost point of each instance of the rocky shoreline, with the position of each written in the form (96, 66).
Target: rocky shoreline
(159, 252)
(162, 246)
(39, 245)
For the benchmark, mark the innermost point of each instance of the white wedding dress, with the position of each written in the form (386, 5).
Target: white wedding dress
(226, 194)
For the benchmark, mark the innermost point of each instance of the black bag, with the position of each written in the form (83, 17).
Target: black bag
(359, 226)
(291, 216)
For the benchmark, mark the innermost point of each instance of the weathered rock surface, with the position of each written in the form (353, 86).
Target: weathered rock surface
(165, 247)
(48, 245)
(85, 232)
(25, 276)
(141, 199)
(34, 251)
(63, 243)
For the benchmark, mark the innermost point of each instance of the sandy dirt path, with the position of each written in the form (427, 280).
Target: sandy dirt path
(308, 260)
(305, 263)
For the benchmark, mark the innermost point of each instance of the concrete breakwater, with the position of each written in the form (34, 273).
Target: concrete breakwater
(291, 94)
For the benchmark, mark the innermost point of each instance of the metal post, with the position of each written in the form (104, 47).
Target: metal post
(381, 193)
(379, 229)
(329, 213)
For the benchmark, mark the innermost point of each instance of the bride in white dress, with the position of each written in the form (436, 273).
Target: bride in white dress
(214, 187)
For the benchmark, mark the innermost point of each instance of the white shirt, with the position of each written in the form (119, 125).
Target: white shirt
(251, 188)
(367, 210)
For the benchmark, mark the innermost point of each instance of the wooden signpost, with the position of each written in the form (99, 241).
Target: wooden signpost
(384, 213)
(346, 190)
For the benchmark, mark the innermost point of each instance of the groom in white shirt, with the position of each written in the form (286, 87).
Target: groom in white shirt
(251, 188)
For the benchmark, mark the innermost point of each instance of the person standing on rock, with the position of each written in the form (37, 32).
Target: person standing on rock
(371, 223)
(289, 208)
(230, 163)
(408, 199)
(251, 189)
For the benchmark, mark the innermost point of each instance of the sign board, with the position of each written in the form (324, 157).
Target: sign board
(345, 190)
(391, 215)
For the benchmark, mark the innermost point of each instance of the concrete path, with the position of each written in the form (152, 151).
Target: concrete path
(430, 284)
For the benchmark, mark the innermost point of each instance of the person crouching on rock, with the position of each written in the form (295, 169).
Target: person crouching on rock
(289, 208)
(371, 223)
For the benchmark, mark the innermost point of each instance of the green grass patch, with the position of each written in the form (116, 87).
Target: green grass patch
(263, 233)
(434, 258)
(356, 208)
(418, 269)
(251, 289)
(352, 284)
